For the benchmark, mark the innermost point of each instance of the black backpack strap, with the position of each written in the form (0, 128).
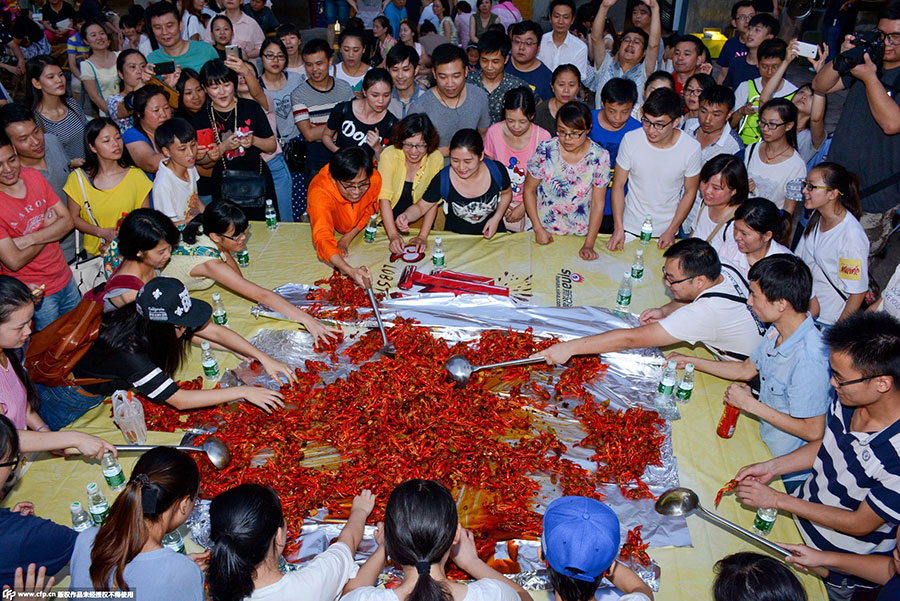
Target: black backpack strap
(760, 326)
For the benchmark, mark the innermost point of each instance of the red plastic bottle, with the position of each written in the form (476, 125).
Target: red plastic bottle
(728, 421)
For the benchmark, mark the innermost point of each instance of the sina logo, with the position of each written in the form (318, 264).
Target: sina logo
(564, 281)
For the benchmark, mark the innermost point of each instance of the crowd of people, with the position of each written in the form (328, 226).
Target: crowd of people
(146, 142)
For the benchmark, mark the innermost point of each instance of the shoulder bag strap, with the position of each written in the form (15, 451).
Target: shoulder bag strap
(87, 204)
(97, 79)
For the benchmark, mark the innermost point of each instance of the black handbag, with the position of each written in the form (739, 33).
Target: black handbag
(246, 189)
(294, 152)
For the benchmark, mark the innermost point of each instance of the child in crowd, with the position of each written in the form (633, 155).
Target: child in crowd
(736, 47)
(747, 96)
(762, 27)
(752, 576)
(473, 57)
(175, 186)
(662, 165)
(580, 543)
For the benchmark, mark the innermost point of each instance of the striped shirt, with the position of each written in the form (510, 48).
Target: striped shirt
(69, 130)
(310, 104)
(852, 467)
(135, 371)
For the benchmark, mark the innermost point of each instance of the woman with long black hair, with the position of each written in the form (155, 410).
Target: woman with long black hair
(57, 112)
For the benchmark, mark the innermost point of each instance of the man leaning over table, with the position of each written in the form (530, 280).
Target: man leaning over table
(708, 307)
(342, 197)
(851, 502)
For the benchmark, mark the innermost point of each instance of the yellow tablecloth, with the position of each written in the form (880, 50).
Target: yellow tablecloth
(547, 275)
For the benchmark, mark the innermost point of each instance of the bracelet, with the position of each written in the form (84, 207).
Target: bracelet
(42, 427)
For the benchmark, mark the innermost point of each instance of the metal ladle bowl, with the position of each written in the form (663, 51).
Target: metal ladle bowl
(682, 501)
(215, 450)
(460, 370)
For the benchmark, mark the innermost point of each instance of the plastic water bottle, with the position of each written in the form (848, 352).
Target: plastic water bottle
(647, 231)
(242, 257)
(81, 521)
(637, 268)
(98, 506)
(112, 471)
(271, 216)
(665, 393)
(172, 540)
(208, 361)
(623, 298)
(686, 384)
(437, 255)
(765, 519)
(371, 228)
(219, 315)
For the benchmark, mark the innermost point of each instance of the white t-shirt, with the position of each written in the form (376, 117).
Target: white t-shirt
(805, 145)
(890, 295)
(837, 258)
(704, 227)
(655, 178)
(350, 79)
(730, 253)
(721, 324)
(322, 579)
(486, 589)
(190, 25)
(742, 92)
(171, 194)
(771, 180)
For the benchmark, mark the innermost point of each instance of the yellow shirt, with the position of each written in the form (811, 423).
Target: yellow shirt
(108, 206)
(392, 167)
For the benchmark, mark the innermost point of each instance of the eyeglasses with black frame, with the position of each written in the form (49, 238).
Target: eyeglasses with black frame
(807, 185)
(672, 282)
(240, 236)
(361, 187)
(839, 384)
(657, 126)
(13, 465)
(889, 38)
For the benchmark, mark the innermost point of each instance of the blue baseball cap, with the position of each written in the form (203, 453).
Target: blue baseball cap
(581, 537)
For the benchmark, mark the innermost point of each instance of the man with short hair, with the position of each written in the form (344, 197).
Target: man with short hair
(708, 306)
(761, 27)
(342, 197)
(452, 104)
(313, 101)
(165, 23)
(636, 57)
(395, 11)
(494, 48)
(263, 15)
(850, 502)
(526, 40)
(688, 58)
(32, 221)
(559, 46)
(770, 55)
(867, 137)
(741, 13)
(401, 63)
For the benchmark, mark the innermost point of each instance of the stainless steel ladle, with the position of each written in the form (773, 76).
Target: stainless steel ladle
(215, 449)
(460, 370)
(388, 348)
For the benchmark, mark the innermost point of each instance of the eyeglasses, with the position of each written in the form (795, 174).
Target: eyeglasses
(409, 146)
(273, 57)
(633, 40)
(806, 185)
(693, 91)
(839, 384)
(770, 124)
(526, 43)
(240, 236)
(356, 187)
(890, 38)
(672, 282)
(743, 18)
(13, 465)
(657, 126)
(571, 135)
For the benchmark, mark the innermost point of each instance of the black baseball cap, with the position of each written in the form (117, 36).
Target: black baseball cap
(167, 300)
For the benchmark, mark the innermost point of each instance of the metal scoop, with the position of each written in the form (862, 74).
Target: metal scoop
(215, 449)
(388, 348)
(460, 370)
(682, 501)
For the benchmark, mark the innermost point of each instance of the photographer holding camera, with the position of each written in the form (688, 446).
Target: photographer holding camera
(867, 137)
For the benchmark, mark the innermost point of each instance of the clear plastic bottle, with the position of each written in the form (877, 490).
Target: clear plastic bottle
(173, 540)
(81, 521)
(208, 361)
(242, 257)
(765, 519)
(686, 384)
(665, 393)
(437, 255)
(112, 471)
(219, 315)
(623, 298)
(271, 215)
(647, 231)
(371, 228)
(98, 506)
(637, 268)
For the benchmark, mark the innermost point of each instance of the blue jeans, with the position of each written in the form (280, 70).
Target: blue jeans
(282, 179)
(336, 10)
(58, 303)
(62, 405)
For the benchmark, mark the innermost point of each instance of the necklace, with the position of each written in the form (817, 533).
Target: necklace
(444, 101)
(769, 159)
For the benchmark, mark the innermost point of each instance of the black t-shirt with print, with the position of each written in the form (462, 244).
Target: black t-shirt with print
(352, 132)
(468, 215)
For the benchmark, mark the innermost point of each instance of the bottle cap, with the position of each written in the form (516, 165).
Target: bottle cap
(689, 367)
(107, 454)
(627, 274)
(75, 507)
(204, 345)
(268, 202)
(92, 488)
(672, 364)
(640, 253)
(438, 240)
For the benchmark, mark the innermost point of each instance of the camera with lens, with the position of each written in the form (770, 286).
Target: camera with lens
(870, 42)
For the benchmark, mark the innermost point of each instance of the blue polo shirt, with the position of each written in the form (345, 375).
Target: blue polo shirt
(794, 379)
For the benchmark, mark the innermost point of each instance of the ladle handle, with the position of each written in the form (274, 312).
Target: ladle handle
(377, 315)
(780, 551)
(513, 363)
(145, 447)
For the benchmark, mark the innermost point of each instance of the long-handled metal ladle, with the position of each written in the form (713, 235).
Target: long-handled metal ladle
(388, 348)
(215, 449)
(460, 370)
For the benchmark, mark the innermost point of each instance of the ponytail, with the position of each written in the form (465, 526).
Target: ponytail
(847, 186)
(161, 477)
(243, 523)
(13, 296)
(216, 218)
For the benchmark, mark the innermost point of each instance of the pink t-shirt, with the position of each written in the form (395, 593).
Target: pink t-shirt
(515, 161)
(13, 399)
(20, 216)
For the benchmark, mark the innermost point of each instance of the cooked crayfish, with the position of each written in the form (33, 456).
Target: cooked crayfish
(729, 486)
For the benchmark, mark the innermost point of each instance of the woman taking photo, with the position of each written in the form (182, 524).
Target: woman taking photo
(565, 189)
(364, 122)
(98, 71)
(126, 553)
(565, 84)
(134, 73)
(107, 188)
(477, 194)
(204, 258)
(248, 535)
(406, 168)
(481, 20)
(723, 188)
(512, 142)
(834, 244)
(222, 32)
(57, 112)
(249, 36)
(142, 345)
(757, 223)
(151, 109)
